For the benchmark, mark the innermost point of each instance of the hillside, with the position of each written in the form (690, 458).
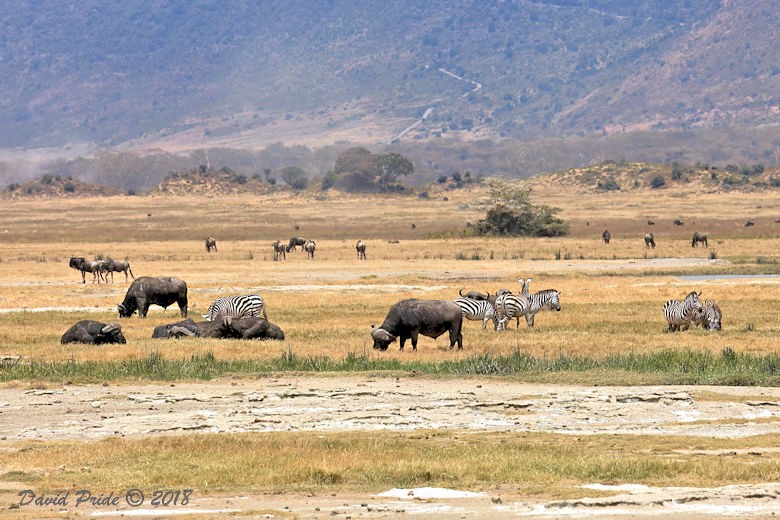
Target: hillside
(54, 186)
(185, 75)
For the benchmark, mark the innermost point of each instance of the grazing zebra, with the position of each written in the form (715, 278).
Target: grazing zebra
(681, 313)
(237, 307)
(709, 317)
(548, 299)
(211, 243)
(699, 238)
(280, 251)
(649, 240)
(310, 246)
(115, 266)
(478, 310)
(87, 266)
(510, 305)
(606, 236)
(360, 247)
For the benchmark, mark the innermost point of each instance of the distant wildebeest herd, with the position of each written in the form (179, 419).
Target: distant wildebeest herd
(280, 249)
(697, 239)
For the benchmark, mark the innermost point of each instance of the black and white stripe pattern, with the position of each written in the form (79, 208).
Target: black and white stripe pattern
(549, 299)
(710, 316)
(510, 306)
(679, 314)
(237, 307)
(478, 310)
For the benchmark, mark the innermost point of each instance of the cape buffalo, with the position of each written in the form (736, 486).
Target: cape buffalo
(93, 332)
(295, 242)
(699, 238)
(211, 243)
(226, 327)
(148, 290)
(409, 318)
(474, 295)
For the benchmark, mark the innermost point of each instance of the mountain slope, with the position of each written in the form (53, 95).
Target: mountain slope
(192, 74)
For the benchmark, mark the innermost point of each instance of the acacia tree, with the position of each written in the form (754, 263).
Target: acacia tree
(295, 177)
(513, 213)
(357, 169)
(390, 167)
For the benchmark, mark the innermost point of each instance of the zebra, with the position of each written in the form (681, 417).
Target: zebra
(237, 307)
(280, 251)
(606, 236)
(649, 240)
(111, 266)
(510, 306)
(310, 246)
(680, 313)
(709, 317)
(478, 310)
(699, 238)
(548, 299)
(211, 243)
(360, 247)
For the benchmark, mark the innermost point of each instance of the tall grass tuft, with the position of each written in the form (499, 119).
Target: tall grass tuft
(689, 366)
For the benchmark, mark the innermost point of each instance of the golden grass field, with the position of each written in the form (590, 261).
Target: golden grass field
(612, 295)
(612, 299)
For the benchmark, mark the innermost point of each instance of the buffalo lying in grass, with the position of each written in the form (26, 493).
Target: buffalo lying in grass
(94, 333)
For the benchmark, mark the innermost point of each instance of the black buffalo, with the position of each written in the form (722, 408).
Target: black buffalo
(295, 242)
(409, 318)
(93, 332)
(148, 290)
(474, 295)
(227, 327)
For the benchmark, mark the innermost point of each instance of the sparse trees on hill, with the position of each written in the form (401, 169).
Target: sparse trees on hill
(357, 169)
(295, 177)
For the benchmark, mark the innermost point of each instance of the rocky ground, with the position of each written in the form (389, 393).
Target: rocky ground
(353, 403)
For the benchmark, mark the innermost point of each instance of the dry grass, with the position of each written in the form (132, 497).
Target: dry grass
(545, 465)
(326, 306)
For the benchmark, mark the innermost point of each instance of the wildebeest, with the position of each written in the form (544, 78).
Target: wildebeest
(93, 332)
(699, 238)
(750, 223)
(87, 266)
(649, 240)
(678, 222)
(360, 247)
(410, 318)
(474, 295)
(226, 327)
(211, 243)
(280, 251)
(148, 290)
(115, 266)
(295, 242)
(310, 246)
(606, 236)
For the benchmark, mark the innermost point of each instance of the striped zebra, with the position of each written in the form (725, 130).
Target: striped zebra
(510, 306)
(548, 300)
(237, 307)
(478, 310)
(709, 317)
(680, 313)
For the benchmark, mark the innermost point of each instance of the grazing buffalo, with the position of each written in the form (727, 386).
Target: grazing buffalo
(94, 333)
(606, 236)
(87, 266)
(410, 318)
(211, 243)
(360, 247)
(474, 295)
(115, 266)
(148, 290)
(699, 238)
(649, 240)
(295, 242)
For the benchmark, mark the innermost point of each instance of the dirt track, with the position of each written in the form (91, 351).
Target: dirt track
(384, 403)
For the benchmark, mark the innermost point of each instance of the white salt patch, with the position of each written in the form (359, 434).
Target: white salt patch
(430, 493)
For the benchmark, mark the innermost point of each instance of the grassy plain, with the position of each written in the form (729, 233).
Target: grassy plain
(612, 295)
(612, 299)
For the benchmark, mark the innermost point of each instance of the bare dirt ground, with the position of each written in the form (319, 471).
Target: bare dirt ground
(364, 403)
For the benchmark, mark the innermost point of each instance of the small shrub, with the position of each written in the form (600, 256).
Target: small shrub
(69, 187)
(657, 182)
(713, 255)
